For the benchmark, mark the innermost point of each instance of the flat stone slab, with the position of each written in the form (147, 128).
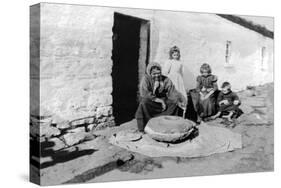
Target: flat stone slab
(49, 131)
(74, 138)
(63, 125)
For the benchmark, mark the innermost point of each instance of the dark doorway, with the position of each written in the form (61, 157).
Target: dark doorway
(127, 55)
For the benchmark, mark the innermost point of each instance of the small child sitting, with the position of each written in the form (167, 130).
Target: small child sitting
(228, 102)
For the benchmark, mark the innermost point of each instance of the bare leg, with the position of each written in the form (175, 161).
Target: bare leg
(199, 120)
(229, 116)
(216, 116)
(233, 124)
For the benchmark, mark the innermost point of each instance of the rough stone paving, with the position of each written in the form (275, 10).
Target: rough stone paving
(74, 152)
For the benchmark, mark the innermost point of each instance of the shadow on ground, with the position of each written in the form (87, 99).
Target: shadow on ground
(60, 156)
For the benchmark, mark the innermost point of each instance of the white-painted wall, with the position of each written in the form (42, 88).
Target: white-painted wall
(76, 45)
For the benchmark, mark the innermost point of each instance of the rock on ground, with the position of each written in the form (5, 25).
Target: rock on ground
(74, 138)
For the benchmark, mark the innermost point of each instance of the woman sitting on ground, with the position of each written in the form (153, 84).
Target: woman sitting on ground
(158, 96)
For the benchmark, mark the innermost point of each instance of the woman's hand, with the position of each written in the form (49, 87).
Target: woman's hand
(182, 101)
(202, 96)
(182, 105)
(158, 100)
(203, 89)
(236, 102)
(210, 89)
(225, 102)
(210, 92)
(156, 85)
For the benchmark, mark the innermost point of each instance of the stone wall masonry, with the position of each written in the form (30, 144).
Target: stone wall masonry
(71, 82)
(71, 62)
(75, 70)
(68, 133)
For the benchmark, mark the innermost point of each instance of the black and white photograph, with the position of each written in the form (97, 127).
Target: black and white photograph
(120, 93)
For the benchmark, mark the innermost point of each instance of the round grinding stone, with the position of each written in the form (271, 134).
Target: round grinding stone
(169, 128)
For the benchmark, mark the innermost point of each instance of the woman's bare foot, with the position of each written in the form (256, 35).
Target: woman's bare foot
(199, 120)
(214, 117)
(232, 125)
(137, 131)
(229, 119)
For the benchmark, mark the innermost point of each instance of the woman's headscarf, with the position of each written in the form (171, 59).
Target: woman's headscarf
(158, 83)
(152, 65)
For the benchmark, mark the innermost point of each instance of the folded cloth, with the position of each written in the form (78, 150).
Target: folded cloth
(210, 140)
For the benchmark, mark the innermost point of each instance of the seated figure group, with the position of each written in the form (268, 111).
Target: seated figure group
(162, 92)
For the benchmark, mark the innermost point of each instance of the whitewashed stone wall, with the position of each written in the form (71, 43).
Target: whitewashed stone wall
(73, 69)
(202, 39)
(75, 64)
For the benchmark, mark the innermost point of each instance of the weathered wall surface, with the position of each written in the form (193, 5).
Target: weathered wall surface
(34, 87)
(35, 59)
(76, 64)
(76, 44)
(202, 39)
(76, 48)
(71, 65)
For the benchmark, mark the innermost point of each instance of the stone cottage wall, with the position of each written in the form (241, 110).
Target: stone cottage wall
(75, 64)
(71, 61)
(74, 72)
(71, 84)
(71, 69)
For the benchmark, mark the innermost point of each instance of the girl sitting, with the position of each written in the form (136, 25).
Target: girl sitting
(206, 87)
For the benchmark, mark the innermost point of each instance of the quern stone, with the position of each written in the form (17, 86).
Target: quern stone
(169, 128)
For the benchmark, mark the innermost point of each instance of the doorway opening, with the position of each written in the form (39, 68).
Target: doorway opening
(130, 55)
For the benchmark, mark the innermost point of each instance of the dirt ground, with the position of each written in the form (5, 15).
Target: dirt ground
(257, 154)
(111, 163)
